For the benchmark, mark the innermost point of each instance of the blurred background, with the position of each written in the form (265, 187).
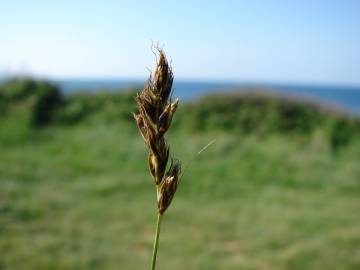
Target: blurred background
(276, 84)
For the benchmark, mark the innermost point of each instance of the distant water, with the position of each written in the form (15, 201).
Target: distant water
(344, 97)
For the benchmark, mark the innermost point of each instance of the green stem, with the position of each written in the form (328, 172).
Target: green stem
(156, 241)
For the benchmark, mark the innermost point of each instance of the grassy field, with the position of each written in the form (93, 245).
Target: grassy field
(77, 194)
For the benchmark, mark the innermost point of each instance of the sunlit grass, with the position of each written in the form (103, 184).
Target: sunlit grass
(80, 198)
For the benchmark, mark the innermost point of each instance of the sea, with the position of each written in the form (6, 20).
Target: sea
(345, 98)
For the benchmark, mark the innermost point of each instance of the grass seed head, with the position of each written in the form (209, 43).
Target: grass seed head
(154, 118)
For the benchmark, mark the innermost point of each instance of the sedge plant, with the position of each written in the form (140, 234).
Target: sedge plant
(155, 113)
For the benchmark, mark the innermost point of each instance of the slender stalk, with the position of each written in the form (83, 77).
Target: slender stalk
(156, 241)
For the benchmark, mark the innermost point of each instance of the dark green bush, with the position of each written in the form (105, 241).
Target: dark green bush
(47, 99)
(342, 131)
(102, 106)
(40, 97)
(17, 89)
(249, 113)
(266, 114)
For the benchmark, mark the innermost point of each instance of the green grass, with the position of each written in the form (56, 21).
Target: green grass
(78, 195)
(81, 198)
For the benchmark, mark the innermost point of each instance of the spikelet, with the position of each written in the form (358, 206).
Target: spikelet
(168, 188)
(156, 111)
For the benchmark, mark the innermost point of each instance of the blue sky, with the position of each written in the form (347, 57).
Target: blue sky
(256, 41)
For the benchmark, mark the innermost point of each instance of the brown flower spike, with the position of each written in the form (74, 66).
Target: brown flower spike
(156, 111)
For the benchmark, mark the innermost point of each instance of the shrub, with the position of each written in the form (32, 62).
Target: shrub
(40, 97)
(48, 98)
(342, 131)
(17, 89)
